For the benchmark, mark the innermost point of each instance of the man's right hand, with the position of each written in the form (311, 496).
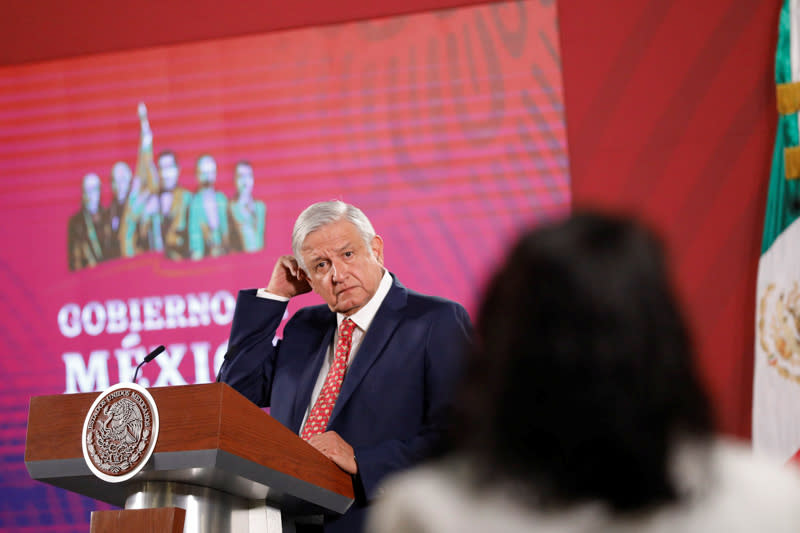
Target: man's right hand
(288, 279)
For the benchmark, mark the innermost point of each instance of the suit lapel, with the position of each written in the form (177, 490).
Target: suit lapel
(372, 345)
(309, 376)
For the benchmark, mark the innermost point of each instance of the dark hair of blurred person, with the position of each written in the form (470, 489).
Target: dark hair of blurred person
(582, 377)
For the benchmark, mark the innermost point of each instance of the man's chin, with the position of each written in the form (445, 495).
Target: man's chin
(346, 308)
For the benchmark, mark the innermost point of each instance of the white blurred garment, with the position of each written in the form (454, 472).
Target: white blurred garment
(730, 491)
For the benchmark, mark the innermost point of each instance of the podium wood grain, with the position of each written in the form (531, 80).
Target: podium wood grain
(161, 520)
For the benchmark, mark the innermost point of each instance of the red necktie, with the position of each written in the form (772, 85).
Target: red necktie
(321, 412)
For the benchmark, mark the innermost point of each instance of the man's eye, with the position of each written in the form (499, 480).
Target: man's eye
(349, 254)
(321, 265)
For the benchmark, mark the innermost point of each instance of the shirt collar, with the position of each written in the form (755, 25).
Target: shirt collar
(363, 317)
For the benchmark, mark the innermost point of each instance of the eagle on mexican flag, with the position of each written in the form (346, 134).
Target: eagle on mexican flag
(776, 387)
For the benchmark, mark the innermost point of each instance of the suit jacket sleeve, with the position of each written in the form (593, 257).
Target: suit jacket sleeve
(250, 362)
(448, 336)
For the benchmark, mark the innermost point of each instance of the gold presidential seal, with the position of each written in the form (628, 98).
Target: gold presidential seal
(779, 329)
(120, 432)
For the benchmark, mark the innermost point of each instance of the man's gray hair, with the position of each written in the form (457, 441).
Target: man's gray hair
(321, 214)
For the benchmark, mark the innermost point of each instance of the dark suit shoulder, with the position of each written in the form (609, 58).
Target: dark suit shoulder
(314, 316)
(418, 303)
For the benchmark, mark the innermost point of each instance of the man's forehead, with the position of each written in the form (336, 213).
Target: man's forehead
(339, 233)
(332, 245)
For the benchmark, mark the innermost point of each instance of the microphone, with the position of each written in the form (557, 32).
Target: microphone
(149, 357)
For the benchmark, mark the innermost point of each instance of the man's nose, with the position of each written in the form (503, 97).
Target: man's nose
(338, 271)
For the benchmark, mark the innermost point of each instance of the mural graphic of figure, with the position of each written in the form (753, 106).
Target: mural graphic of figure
(87, 229)
(121, 177)
(141, 222)
(174, 204)
(208, 220)
(246, 215)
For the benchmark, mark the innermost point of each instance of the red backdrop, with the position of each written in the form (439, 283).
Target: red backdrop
(671, 115)
(670, 110)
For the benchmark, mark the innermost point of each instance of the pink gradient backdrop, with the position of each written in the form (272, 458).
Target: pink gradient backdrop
(446, 128)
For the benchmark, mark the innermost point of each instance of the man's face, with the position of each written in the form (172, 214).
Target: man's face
(244, 179)
(168, 171)
(206, 170)
(341, 267)
(120, 180)
(91, 192)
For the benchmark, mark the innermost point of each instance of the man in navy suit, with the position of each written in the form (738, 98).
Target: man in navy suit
(394, 401)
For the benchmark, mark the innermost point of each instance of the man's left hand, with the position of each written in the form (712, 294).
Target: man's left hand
(332, 446)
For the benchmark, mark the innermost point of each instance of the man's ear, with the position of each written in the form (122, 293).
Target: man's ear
(377, 248)
(301, 274)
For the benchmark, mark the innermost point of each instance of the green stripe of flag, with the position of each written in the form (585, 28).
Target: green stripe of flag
(783, 196)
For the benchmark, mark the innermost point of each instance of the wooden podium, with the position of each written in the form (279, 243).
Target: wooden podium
(231, 466)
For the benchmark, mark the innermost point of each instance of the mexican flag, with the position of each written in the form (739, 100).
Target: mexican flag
(776, 388)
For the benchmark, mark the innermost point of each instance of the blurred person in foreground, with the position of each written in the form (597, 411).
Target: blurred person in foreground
(367, 378)
(581, 409)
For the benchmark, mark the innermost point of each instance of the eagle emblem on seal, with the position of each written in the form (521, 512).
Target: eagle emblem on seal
(778, 329)
(120, 431)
